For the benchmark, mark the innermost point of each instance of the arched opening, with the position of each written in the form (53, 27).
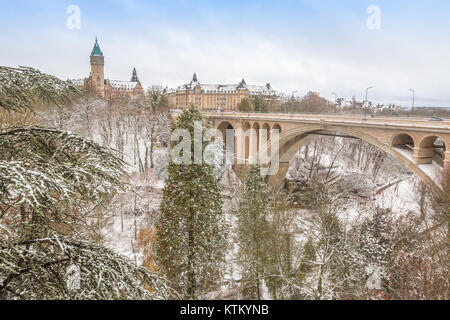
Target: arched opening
(229, 140)
(277, 127)
(223, 127)
(404, 144)
(437, 146)
(403, 140)
(292, 140)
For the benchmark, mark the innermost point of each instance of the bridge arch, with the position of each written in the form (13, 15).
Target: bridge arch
(292, 140)
(430, 141)
(403, 139)
(276, 126)
(223, 127)
(229, 148)
(433, 148)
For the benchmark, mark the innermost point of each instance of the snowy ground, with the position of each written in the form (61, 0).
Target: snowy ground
(393, 187)
(433, 170)
(131, 214)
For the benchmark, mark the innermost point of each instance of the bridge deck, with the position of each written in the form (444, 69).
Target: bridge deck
(380, 131)
(401, 122)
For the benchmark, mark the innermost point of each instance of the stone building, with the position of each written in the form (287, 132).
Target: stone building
(222, 97)
(106, 88)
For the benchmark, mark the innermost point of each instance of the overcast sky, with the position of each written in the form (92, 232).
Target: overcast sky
(303, 45)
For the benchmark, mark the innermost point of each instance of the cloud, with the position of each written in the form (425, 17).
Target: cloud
(322, 52)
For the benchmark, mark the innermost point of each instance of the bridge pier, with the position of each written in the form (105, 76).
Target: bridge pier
(423, 155)
(446, 164)
(418, 135)
(253, 156)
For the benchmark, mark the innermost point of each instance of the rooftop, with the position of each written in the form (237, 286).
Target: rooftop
(123, 85)
(228, 88)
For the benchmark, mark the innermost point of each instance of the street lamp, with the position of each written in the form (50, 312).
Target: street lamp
(365, 102)
(413, 99)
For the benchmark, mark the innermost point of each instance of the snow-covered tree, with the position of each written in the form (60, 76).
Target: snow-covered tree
(39, 268)
(22, 87)
(51, 185)
(191, 240)
(374, 244)
(284, 256)
(253, 232)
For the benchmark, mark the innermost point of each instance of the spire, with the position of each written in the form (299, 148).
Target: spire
(96, 51)
(242, 84)
(194, 82)
(134, 77)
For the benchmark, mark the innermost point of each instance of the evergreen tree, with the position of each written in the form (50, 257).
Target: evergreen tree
(252, 232)
(52, 184)
(259, 104)
(191, 240)
(283, 280)
(245, 106)
(375, 246)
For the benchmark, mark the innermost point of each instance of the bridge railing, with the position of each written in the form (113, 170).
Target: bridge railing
(335, 116)
(346, 114)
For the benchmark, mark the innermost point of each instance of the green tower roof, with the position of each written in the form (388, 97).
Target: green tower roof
(96, 51)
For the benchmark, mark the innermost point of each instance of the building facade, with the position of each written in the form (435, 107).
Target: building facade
(220, 97)
(106, 88)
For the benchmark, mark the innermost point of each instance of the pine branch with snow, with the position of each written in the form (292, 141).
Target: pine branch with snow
(52, 183)
(22, 87)
(37, 268)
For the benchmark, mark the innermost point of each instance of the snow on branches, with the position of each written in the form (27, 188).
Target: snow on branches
(54, 186)
(44, 169)
(37, 269)
(21, 87)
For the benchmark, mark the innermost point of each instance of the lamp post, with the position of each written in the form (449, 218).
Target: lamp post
(413, 99)
(365, 102)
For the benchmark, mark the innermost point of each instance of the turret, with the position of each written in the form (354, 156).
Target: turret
(98, 69)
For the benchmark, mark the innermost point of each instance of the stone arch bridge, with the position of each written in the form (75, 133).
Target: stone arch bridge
(419, 143)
